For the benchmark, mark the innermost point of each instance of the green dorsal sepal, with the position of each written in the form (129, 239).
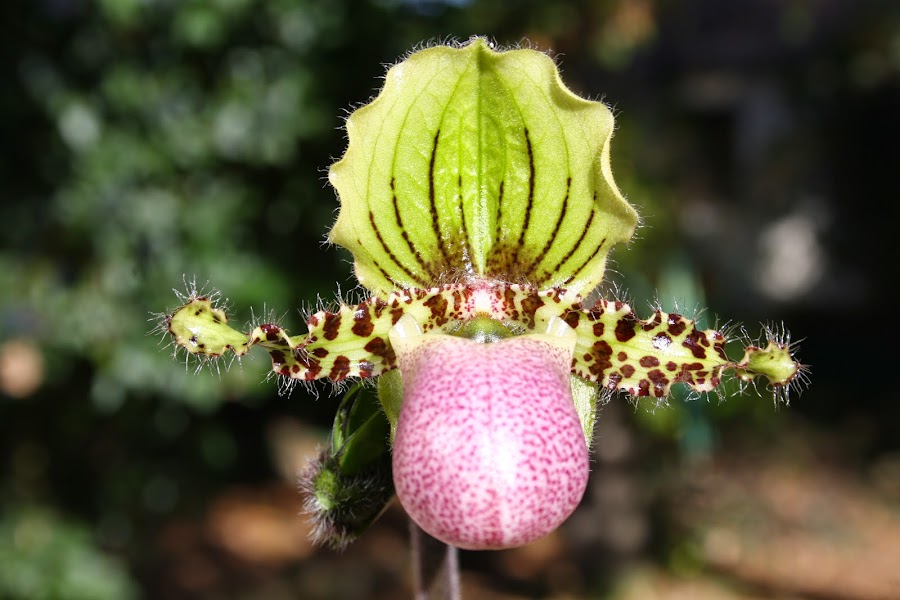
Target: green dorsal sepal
(478, 163)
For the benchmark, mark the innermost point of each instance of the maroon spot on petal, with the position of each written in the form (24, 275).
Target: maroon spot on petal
(677, 325)
(627, 370)
(671, 366)
(596, 311)
(271, 331)
(319, 352)
(660, 381)
(376, 346)
(602, 352)
(649, 361)
(692, 344)
(277, 356)
(332, 325)
(599, 327)
(614, 381)
(312, 370)
(720, 350)
(340, 369)
(378, 305)
(362, 321)
(438, 306)
(530, 305)
(509, 302)
(458, 298)
(366, 368)
(685, 376)
(572, 318)
(622, 356)
(625, 328)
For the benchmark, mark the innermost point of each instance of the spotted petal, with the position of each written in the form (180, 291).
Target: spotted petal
(613, 348)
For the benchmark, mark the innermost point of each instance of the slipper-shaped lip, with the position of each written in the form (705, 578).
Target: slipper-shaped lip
(489, 452)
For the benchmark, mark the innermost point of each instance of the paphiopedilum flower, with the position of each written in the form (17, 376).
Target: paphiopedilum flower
(478, 202)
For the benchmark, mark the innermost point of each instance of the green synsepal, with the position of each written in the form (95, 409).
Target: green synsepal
(390, 393)
(359, 436)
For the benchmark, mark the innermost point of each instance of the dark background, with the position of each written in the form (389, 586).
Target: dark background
(142, 141)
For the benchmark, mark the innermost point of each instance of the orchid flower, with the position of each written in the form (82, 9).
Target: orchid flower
(478, 202)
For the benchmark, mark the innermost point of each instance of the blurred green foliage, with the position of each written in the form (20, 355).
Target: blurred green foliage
(43, 556)
(175, 156)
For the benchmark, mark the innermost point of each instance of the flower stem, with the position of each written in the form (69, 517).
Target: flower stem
(435, 567)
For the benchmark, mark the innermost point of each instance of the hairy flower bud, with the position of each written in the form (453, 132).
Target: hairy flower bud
(348, 485)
